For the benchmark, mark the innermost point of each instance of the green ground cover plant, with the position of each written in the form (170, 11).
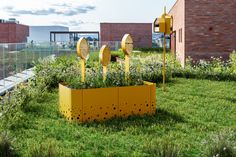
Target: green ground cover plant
(194, 117)
(187, 123)
(215, 69)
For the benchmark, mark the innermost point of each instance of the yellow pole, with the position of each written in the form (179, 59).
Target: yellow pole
(104, 73)
(164, 64)
(82, 61)
(127, 67)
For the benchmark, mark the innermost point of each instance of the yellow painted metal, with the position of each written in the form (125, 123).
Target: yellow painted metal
(126, 67)
(105, 55)
(162, 25)
(76, 110)
(83, 48)
(105, 59)
(164, 64)
(168, 23)
(134, 101)
(83, 53)
(104, 72)
(82, 63)
(127, 48)
(100, 104)
(127, 44)
(65, 101)
(68, 97)
(165, 24)
(152, 101)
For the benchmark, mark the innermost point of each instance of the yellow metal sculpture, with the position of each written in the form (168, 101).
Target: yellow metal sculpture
(86, 105)
(127, 48)
(83, 53)
(164, 24)
(105, 59)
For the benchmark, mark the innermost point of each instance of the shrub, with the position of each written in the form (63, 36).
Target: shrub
(162, 149)
(115, 77)
(222, 145)
(48, 73)
(44, 150)
(150, 49)
(232, 62)
(150, 67)
(51, 72)
(216, 69)
(6, 146)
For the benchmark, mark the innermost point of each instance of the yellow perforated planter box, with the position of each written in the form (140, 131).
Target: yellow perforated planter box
(84, 105)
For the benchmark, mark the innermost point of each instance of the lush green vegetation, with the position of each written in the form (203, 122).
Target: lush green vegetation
(193, 117)
(216, 69)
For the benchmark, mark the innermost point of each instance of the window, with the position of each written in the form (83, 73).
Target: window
(180, 35)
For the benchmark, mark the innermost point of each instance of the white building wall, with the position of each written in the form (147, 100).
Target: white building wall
(42, 33)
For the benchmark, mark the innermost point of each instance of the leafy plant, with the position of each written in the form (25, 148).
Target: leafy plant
(115, 77)
(44, 150)
(216, 69)
(6, 145)
(222, 145)
(162, 149)
(232, 62)
(50, 72)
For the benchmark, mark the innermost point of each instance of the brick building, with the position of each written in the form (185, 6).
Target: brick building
(203, 28)
(140, 32)
(13, 33)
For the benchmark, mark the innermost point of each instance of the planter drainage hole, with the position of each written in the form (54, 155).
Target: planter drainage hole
(147, 105)
(114, 108)
(106, 113)
(139, 110)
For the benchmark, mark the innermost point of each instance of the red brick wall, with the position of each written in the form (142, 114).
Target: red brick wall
(13, 33)
(140, 32)
(178, 14)
(210, 28)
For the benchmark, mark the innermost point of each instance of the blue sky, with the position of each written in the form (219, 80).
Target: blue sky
(82, 14)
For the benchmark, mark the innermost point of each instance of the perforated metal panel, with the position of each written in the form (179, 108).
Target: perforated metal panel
(65, 101)
(104, 103)
(100, 104)
(134, 100)
(77, 105)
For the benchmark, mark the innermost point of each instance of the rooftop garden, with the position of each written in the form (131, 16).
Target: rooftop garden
(195, 116)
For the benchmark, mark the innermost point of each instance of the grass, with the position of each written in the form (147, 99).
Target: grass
(188, 114)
